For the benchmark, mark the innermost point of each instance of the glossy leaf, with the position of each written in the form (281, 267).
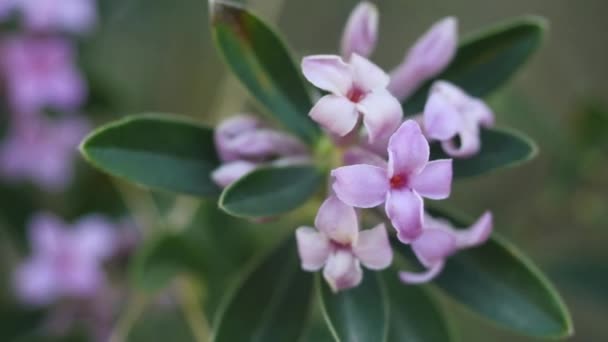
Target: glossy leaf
(486, 60)
(500, 148)
(156, 151)
(357, 314)
(258, 57)
(496, 281)
(271, 191)
(271, 304)
(414, 315)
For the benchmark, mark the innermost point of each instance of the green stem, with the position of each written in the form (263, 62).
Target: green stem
(193, 312)
(133, 310)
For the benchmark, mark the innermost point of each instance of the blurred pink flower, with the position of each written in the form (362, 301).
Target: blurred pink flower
(75, 16)
(339, 247)
(65, 261)
(439, 240)
(400, 184)
(42, 151)
(40, 72)
(361, 31)
(357, 93)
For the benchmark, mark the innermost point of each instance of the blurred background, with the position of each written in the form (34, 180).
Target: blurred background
(159, 56)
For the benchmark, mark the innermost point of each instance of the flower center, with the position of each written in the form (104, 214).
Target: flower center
(398, 181)
(355, 94)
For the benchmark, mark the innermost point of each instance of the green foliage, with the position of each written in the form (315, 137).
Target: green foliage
(156, 151)
(486, 60)
(270, 191)
(271, 304)
(258, 57)
(496, 281)
(500, 148)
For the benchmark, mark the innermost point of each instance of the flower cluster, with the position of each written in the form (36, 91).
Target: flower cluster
(38, 68)
(385, 159)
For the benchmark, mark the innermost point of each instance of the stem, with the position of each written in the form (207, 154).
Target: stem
(194, 314)
(134, 309)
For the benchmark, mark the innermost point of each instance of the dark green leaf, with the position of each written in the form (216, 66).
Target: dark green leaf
(271, 191)
(271, 304)
(258, 57)
(414, 315)
(499, 283)
(357, 314)
(487, 59)
(156, 151)
(499, 148)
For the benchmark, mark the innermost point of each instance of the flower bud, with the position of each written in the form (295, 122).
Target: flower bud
(361, 31)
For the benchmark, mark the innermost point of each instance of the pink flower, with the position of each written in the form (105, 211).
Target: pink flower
(243, 144)
(361, 31)
(408, 176)
(50, 15)
(339, 247)
(451, 113)
(40, 72)
(430, 55)
(439, 240)
(42, 151)
(64, 261)
(358, 89)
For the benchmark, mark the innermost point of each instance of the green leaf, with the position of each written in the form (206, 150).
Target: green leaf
(272, 303)
(270, 191)
(414, 315)
(500, 148)
(487, 59)
(163, 258)
(156, 151)
(258, 57)
(499, 283)
(357, 314)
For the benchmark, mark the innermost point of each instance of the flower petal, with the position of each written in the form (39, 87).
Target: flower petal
(435, 180)
(366, 75)
(361, 31)
(475, 235)
(313, 248)
(35, 282)
(357, 155)
(442, 121)
(360, 186)
(373, 248)
(382, 114)
(94, 237)
(230, 129)
(336, 114)
(46, 233)
(230, 172)
(468, 144)
(408, 150)
(405, 210)
(434, 246)
(342, 270)
(338, 221)
(264, 144)
(328, 72)
(421, 278)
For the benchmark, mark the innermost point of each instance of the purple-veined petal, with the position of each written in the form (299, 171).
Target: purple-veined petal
(435, 180)
(442, 121)
(338, 221)
(373, 248)
(430, 55)
(35, 282)
(357, 155)
(421, 278)
(433, 246)
(360, 186)
(313, 248)
(361, 31)
(475, 235)
(405, 209)
(328, 72)
(366, 75)
(382, 114)
(408, 150)
(336, 114)
(342, 270)
(228, 173)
